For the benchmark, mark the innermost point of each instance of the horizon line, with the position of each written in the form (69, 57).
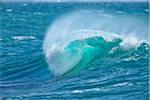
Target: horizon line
(75, 1)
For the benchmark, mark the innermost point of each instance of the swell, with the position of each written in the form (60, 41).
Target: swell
(20, 63)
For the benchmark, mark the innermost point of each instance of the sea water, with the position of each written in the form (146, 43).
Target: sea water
(89, 51)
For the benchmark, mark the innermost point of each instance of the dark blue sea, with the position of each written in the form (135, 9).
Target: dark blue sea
(74, 51)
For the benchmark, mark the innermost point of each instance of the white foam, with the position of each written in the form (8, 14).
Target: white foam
(22, 37)
(132, 58)
(123, 84)
(86, 90)
(112, 50)
(25, 4)
(77, 91)
(8, 10)
(129, 43)
(146, 10)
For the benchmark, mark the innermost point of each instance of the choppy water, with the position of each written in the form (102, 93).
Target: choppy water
(69, 51)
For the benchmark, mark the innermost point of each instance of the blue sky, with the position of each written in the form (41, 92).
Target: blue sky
(72, 0)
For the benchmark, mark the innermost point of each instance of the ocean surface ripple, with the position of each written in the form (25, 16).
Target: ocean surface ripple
(89, 51)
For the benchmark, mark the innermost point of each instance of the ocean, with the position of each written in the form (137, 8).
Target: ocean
(74, 51)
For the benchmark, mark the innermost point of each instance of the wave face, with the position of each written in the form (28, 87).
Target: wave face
(91, 51)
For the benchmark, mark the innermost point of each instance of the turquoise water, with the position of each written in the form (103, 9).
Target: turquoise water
(89, 51)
